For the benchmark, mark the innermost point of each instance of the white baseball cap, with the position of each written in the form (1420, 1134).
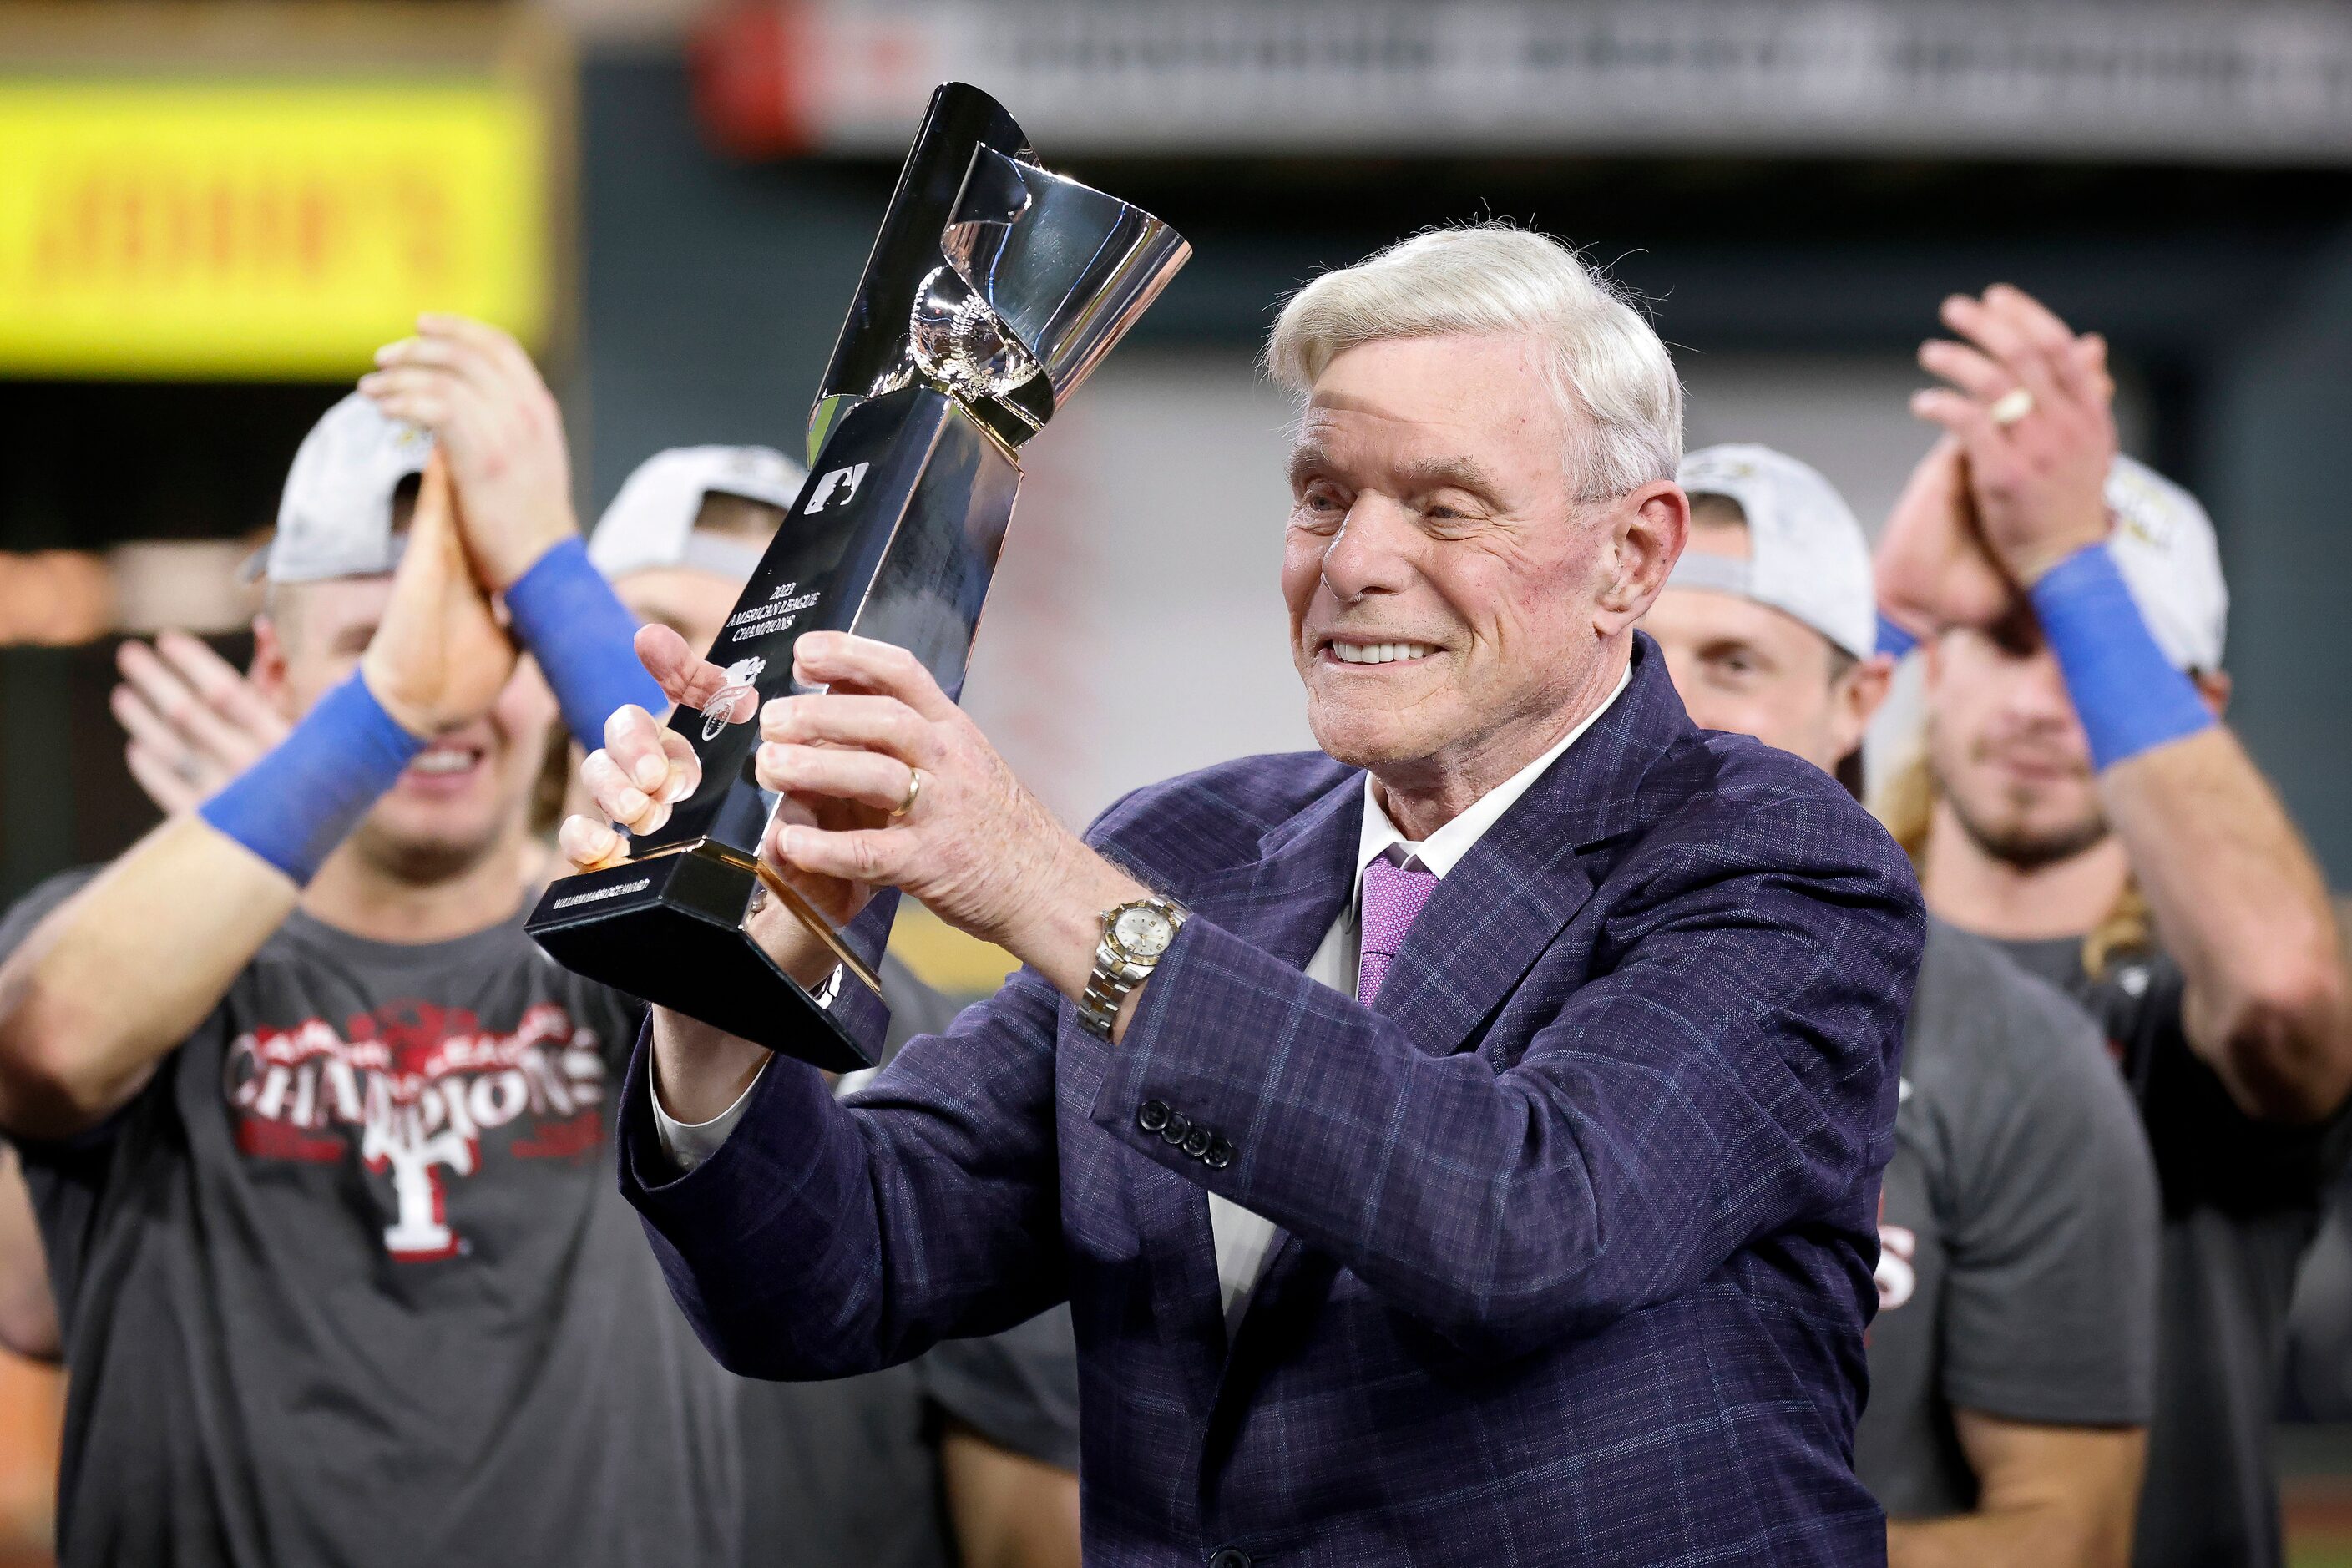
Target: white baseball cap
(1807, 556)
(651, 522)
(2163, 545)
(334, 517)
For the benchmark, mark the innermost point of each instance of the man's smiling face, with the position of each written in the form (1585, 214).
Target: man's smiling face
(1441, 580)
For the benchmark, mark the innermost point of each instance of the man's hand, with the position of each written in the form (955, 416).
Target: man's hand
(439, 657)
(1931, 565)
(2039, 478)
(477, 392)
(645, 768)
(894, 786)
(968, 841)
(193, 722)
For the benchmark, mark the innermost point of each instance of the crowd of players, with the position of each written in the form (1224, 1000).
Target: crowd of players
(316, 1203)
(339, 1268)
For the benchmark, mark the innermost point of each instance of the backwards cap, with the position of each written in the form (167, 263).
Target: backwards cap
(2163, 544)
(1807, 556)
(651, 522)
(334, 517)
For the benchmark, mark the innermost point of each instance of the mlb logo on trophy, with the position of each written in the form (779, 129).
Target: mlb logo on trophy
(846, 480)
(737, 700)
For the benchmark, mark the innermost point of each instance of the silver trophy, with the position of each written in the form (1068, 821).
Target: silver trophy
(993, 289)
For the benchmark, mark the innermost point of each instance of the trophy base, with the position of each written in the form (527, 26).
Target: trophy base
(670, 931)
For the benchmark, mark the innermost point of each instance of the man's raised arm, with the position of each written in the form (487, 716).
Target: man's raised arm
(497, 424)
(116, 977)
(2235, 892)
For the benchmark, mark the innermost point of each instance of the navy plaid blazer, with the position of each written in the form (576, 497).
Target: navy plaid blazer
(1580, 1220)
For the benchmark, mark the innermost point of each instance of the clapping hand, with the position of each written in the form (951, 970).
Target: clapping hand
(439, 657)
(2030, 405)
(1932, 567)
(491, 413)
(194, 723)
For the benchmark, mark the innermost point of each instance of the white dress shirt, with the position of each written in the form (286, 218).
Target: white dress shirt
(1244, 1239)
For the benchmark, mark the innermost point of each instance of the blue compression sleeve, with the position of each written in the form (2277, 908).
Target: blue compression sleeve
(584, 639)
(306, 792)
(2129, 695)
(1893, 640)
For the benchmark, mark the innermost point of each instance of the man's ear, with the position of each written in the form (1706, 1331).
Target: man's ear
(2214, 686)
(268, 671)
(1647, 530)
(1859, 692)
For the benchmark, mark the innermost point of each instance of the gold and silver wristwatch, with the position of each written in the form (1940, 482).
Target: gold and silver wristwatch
(1134, 935)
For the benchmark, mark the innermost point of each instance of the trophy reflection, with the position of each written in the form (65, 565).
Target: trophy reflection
(993, 289)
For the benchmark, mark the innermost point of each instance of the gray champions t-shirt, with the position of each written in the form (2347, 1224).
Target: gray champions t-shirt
(846, 1474)
(2017, 1230)
(2242, 1200)
(350, 1281)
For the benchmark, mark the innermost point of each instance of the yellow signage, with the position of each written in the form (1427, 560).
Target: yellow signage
(261, 228)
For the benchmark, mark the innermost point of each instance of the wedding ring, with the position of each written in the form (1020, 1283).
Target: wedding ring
(914, 788)
(2011, 407)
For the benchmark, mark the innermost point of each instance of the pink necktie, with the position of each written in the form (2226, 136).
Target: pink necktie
(1393, 896)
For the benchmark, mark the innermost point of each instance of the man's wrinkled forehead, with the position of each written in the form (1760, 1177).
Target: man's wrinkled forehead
(1327, 401)
(1354, 426)
(1369, 443)
(1419, 413)
(1467, 382)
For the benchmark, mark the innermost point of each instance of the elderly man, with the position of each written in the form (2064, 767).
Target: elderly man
(1459, 1144)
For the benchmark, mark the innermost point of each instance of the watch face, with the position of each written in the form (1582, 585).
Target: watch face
(1144, 932)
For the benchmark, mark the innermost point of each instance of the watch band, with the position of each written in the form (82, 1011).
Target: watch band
(1117, 971)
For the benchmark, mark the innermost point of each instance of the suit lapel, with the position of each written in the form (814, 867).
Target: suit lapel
(1285, 901)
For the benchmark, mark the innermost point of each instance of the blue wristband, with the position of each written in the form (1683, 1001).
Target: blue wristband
(2129, 697)
(306, 792)
(584, 639)
(1893, 640)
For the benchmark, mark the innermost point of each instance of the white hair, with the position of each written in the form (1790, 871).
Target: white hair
(1613, 377)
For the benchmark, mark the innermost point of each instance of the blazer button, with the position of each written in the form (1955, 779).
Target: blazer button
(1217, 1156)
(1230, 1557)
(1197, 1141)
(1152, 1115)
(1178, 1124)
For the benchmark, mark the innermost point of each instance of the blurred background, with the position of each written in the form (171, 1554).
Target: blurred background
(212, 211)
